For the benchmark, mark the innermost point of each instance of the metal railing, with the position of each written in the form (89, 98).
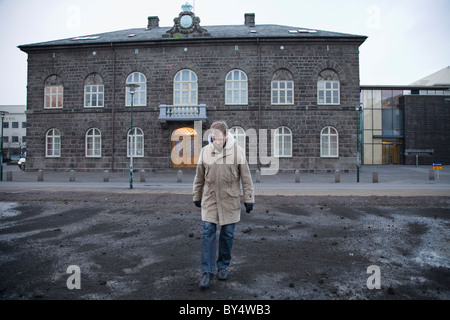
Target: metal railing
(182, 112)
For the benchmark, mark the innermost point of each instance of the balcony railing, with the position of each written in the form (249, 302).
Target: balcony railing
(182, 113)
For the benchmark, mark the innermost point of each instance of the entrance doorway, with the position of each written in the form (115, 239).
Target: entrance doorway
(392, 152)
(184, 152)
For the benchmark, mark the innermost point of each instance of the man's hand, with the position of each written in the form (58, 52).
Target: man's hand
(198, 204)
(248, 207)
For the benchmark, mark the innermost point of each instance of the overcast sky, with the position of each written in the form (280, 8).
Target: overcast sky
(407, 39)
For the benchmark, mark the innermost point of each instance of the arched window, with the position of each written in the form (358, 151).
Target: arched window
(282, 88)
(239, 135)
(138, 142)
(236, 88)
(329, 143)
(328, 88)
(283, 142)
(53, 143)
(185, 88)
(93, 91)
(53, 92)
(140, 93)
(93, 143)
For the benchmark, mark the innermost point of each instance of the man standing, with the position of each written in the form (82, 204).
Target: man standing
(221, 168)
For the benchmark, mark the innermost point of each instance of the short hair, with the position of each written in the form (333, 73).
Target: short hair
(221, 126)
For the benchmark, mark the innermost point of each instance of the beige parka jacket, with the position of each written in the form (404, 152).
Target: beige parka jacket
(217, 182)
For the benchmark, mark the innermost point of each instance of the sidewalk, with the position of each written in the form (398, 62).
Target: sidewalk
(392, 181)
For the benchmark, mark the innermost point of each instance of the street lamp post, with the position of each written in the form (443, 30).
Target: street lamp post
(358, 109)
(2, 114)
(132, 87)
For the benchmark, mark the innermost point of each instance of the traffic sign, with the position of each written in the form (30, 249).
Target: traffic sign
(437, 166)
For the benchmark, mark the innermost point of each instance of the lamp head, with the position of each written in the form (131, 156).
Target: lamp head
(132, 87)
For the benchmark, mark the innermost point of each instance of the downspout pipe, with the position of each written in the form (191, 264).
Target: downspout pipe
(259, 93)
(113, 115)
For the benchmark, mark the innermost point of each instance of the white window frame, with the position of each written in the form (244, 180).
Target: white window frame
(90, 96)
(140, 93)
(239, 135)
(328, 92)
(285, 135)
(282, 92)
(93, 143)
(328, 138)
(185, 88)
(236, 88)
(138, 143)
(53, 100)
(53, 139)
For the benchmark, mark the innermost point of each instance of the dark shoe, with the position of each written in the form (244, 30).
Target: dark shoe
(222, 274)
(205, 281)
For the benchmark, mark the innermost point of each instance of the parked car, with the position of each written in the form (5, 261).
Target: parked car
(15, 159)
(21, 163)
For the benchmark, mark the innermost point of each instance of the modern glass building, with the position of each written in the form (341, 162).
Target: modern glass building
(383, 129)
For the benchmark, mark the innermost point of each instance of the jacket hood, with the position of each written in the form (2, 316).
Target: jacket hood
(230, 140)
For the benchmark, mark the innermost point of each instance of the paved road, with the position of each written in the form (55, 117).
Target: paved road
(144, 243)
(392, 181)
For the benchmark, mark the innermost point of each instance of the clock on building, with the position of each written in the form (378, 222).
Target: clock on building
(186, 25)
(186, 21)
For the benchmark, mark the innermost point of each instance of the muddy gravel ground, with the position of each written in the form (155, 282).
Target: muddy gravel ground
(147, 246)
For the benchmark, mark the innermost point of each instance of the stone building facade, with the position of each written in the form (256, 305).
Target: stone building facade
(300, 85)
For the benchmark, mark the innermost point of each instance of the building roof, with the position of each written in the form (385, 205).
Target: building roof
(439, 78)
(404, 87)
(224, 32)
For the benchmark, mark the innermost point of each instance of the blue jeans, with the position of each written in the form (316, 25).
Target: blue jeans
(208, 259)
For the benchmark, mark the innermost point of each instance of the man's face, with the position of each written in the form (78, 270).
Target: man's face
(218, 139)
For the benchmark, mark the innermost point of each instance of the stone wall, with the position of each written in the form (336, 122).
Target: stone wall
(211, 61)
